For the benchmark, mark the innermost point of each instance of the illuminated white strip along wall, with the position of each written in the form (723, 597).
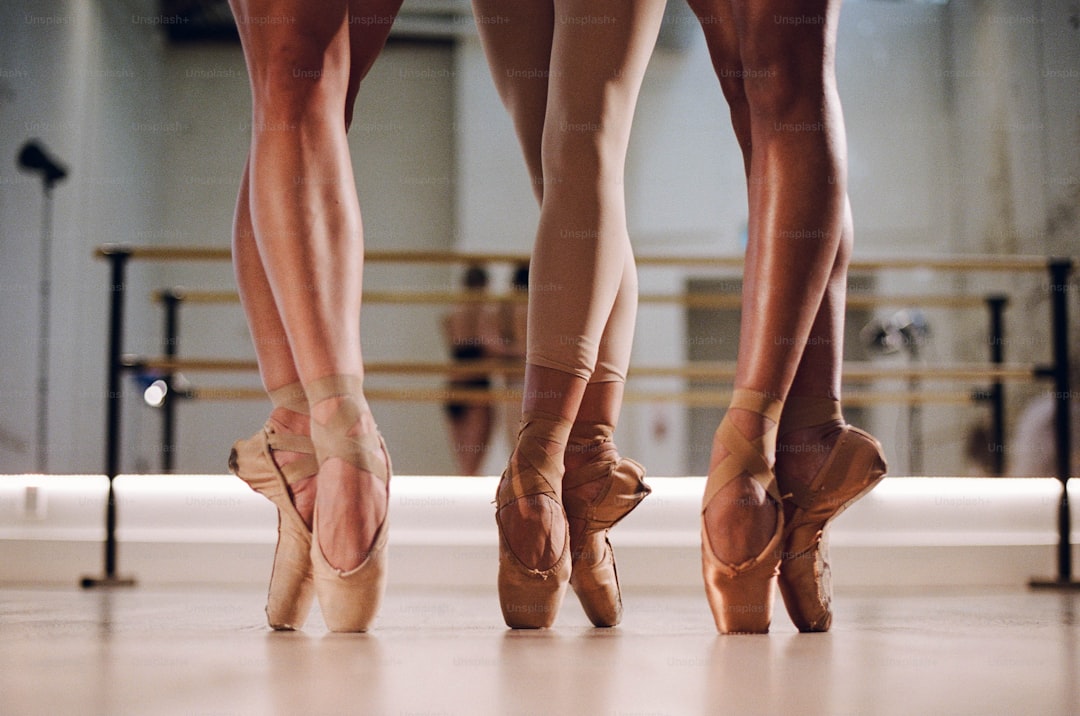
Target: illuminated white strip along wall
(212, 529)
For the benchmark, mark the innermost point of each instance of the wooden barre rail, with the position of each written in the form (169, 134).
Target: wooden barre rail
(699, 370)
(732, 301)
(697, 399)
(974, 262)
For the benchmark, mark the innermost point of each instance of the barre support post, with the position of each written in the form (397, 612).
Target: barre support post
(171, 299)
(118, 258)
(996, 305)
(1060, 268)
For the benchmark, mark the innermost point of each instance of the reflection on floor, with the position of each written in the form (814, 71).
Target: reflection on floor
(150, 650)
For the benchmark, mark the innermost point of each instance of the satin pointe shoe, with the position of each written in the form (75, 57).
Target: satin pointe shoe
(530, 597)
(350, 598)
(291, 589)
(854, 466)
(741, 595)
(599, 494)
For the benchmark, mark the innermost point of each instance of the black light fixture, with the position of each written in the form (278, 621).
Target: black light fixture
(33, 158)
(905, 331)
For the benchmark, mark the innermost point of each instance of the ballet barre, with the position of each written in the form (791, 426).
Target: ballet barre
(697, 398)
(173, 298)
(972, 263)
(486, 396)
(691, 300)
(697, 370)
(1057, 371)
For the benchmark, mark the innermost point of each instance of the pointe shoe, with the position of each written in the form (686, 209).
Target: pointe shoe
(530, 597)
(593, 576)
(291, 589)
(741, 595)
(854, 466)
(350, 598)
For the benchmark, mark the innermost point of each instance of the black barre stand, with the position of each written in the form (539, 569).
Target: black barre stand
(118, 257)
(1059, 284)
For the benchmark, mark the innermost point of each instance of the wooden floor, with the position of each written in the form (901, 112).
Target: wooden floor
(152, 650)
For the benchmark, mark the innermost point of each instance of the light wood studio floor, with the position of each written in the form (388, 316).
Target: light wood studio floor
(152, 650)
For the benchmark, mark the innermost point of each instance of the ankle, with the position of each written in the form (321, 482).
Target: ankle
(809, 435)
(324, 411)
(290, 421)
(336, 403)
(286, 448)
(809, 411)
(552, 468)
(800, 453)
(343, 427)
(578, 455)
(751, 426)
(539, 452)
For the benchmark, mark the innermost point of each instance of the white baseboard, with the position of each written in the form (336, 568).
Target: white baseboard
(211, 529)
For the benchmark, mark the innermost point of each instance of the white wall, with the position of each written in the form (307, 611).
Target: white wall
(962, 129)
(85, 79)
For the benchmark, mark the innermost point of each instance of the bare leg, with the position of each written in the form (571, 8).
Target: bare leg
(820, 366)
(793, 297)
(275, 359)
(311, 249)
(800, 453)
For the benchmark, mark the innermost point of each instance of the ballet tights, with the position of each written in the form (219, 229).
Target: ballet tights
(596, 308)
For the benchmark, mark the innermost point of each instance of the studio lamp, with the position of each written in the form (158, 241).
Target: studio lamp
(34, 159)
(906, 330)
